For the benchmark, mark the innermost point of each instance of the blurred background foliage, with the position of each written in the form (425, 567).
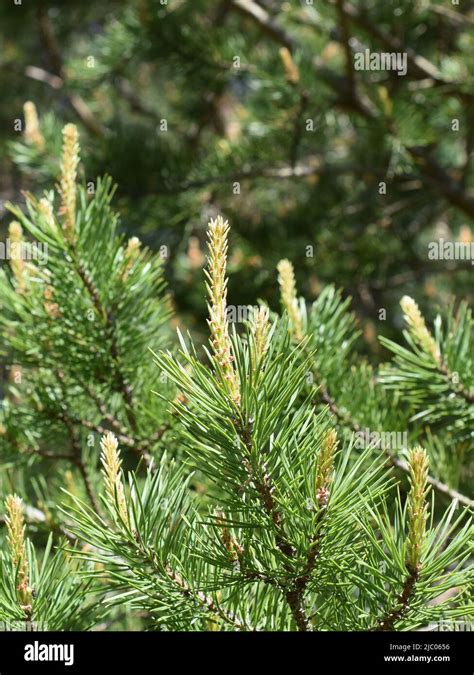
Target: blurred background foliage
(253, 108)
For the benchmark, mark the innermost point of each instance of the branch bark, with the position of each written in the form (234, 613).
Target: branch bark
(402, 605)
(267, 24)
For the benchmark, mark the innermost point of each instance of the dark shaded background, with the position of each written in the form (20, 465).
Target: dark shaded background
(188, 102)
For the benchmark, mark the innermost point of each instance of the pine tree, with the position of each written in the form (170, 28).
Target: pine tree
(219, 487)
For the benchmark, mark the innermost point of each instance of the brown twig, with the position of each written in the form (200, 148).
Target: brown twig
(460, 389)
(345, 39)
(205, 600)
(54, 455)
(79, 463)
(293, 593)
(57, 79)
(450, 188)
(298, 127)
(419, 65)
(265, 491)
(124, 439)
(402, 605)
(267, 24)
(187, 591)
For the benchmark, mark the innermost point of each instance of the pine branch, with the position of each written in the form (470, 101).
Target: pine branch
(206, 601)
(188, 592)
(417, 517)
(311, 165)
(261, 17)
(123, 388)
(78, 461)
(265, 490)
(450, 188)
(323, 489)
(294, 595)
(419, 64)
(54, 455)
(402, 605)
(124, 540)
(121, 432)
(346, 420)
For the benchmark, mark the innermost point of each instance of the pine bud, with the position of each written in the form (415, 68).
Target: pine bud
(232, 546)
(260, 327)
(112, 473)
(33, 133)
(15, 233)
(417, 327)
(292, 73)
(133, 247)
(51, 307)
(417, 506)
(286, 279)
(130, 255)
(15, 529)
(70, 482)
(67, 184)
(325, 468)
(45, 209)
(216, 286)
(15, 523)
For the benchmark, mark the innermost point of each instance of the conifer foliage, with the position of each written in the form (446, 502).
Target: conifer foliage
(223, 487)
